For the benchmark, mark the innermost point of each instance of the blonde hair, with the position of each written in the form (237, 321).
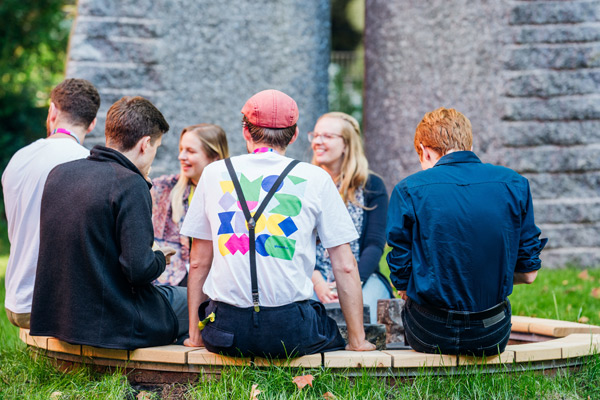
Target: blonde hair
(355, 167)
(443, 130)
(214, 145)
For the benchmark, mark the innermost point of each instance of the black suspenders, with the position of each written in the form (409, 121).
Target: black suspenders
(251, 220)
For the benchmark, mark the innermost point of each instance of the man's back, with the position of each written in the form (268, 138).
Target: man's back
(95, 263)
(306, 201)
(23, 183)
(469, 227)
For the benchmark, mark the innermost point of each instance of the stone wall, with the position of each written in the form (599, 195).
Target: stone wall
(199, 60)
(527, 75)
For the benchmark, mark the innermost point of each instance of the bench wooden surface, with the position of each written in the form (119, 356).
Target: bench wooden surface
(571, 340)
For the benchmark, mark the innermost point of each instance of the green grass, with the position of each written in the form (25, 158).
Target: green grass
(562, 292)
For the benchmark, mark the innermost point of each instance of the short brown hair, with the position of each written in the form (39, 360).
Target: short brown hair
(442, 130)
(132, 118)
(77, 98)
(274, 137)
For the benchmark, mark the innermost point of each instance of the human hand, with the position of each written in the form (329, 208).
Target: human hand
(168, 252)
(365, 345)
(325, 294)
(189, 343)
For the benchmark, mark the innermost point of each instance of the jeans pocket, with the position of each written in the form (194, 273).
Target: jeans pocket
(216, 338)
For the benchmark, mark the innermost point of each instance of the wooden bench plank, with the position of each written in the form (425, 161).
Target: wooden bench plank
(309, 361)
(98, 352)
(520, 324)
(535, 351)
(578, 344)
(63, 347)
(357, 359)
(413, 359)
(38, 341)
(507, 357)
(205, 357)
(171, 354)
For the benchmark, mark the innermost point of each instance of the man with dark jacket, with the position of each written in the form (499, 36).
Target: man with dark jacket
(462, 234)
(96, 263)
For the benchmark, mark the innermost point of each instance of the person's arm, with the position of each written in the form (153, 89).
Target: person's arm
(322, 289)
(530, 244)
(134, 231)
(349, 290)
(399, 236)
(373, 237)
(201, 257)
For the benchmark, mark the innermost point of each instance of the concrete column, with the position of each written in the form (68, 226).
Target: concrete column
(524, 72)
(199, 60)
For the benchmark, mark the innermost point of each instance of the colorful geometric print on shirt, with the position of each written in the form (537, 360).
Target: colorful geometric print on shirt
(275, 229)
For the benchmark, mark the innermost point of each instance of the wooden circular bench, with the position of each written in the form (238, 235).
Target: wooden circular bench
(535, 344)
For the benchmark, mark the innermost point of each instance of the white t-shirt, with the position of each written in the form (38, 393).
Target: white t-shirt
(23, 183)
(306, 203)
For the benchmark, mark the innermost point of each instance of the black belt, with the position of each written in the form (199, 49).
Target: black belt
(492, 312)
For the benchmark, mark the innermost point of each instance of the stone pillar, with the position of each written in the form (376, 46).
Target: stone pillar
(526, 75)
(199, 60)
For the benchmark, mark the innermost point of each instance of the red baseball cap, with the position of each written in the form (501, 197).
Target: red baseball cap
(271, 109)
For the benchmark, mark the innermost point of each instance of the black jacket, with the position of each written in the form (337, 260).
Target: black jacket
(93, 282)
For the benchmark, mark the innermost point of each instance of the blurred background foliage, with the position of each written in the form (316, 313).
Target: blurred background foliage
(33, 42)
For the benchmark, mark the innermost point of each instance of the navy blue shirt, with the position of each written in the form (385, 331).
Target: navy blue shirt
(459, 231)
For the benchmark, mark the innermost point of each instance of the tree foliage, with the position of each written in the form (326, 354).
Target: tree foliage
(33, 42)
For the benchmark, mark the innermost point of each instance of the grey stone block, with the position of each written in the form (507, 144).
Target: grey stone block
(555, 109)
(141, 77)
(552, 159)
(122, 8)
(569, 56)
(580, 257)
(92, 27)
(555, 12)
(556, 34)
(568, 210)
(334, 311)
(561, 133)
(553, 83)
(571, 235)
(117, 50)
(563, 184)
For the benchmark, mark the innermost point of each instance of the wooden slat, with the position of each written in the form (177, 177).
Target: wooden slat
(205, 357)
(63, 347)
(98, 352)
(171, 354)
(309, 361)
(357, 359)
(413, 359)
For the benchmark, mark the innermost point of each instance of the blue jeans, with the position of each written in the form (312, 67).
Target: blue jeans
(457, 333)
(291, 330)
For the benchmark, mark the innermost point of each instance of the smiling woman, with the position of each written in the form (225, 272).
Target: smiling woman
(199, 145)
(337, 148)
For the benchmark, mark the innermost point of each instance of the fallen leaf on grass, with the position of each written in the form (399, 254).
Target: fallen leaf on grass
(143, 395)
(254, 392)
(565, 282)
(585, 275)
(303, 380)
(583, 319)
(596, 292)
(55, 395)
(329, 396)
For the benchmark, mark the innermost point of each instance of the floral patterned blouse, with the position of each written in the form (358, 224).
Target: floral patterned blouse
(166, 232)
(323, 264)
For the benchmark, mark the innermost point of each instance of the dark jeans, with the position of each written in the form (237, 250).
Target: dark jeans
(292, 330)
(457, 333)
(177, 297)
